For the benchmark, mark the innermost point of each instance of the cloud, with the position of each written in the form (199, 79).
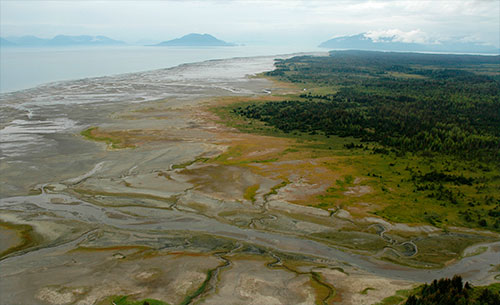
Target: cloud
(271, 21)
(413, 36)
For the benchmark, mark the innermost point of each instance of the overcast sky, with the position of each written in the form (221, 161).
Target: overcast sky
(252, 22)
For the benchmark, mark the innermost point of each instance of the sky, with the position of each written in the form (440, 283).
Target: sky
(274, 22)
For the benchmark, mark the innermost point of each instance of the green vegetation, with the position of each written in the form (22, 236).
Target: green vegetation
(123, 300)
(188, 163)
(396, 299)
(446, 291)
(114, 140)
(478, 251)
(89, 134)
(365, 291)
(454, 292)
(27, 236)
(189, 298)
(423, 131)
(274, 189)
(226, 115)
(449, 110)
(250, 192)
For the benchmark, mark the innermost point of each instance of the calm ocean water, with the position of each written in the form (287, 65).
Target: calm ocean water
(29, 67)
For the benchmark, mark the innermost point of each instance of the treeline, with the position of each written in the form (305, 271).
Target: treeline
(444, 109)
(453, 292)
(443, 177)
(350, 65)
(383, 121)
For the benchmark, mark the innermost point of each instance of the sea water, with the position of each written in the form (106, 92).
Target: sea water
(22, 68)
(30, 118)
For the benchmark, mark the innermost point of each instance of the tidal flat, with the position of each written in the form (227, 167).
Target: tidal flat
(142, 186)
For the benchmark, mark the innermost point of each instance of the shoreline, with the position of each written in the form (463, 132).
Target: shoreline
(135, 60)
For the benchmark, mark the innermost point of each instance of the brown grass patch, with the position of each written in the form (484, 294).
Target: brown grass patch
(119, 139)
(27, 237)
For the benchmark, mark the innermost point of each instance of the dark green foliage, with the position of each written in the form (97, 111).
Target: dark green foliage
(442, 177)
(453, 292)
(488, 297)
(438, 106)
(123, 300)
(189, 298)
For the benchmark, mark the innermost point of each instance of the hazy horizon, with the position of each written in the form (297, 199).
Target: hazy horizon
(255, 22)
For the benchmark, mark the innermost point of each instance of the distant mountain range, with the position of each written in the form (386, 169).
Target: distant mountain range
(6, 43)
(190, 40)
(363, 42)
(195, 40)
(59, 41)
